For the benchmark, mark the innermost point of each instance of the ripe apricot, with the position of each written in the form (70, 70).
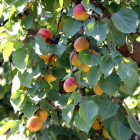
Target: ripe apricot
(45, 34)
(105, 134)
(34, 123)
(50, 77)
(75, 60)
(81, 44)
(96, 125)
(28, 5)
(42, 114)
(69, 84)
(97, 89)
(85, 68)
(79, 13)
(47, 57)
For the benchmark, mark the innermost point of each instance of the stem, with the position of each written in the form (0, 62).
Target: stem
(117, 99)
(83, 136)
(32, 60)
(49, 62)
(108, 16)
(123, 111)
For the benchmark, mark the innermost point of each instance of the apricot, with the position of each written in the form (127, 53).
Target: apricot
(96, 125)
(46, 57)
(34, 123)
(105, 134)
(81, 44)
(97, 89)
(45, 34)
(93, 52)
(70, 84)
(50, 77)
(75, 60)
(79, 13)
(42, 114)
(85, 68)
(60, 25)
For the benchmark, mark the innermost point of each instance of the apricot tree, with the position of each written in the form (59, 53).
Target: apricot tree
(70, 69)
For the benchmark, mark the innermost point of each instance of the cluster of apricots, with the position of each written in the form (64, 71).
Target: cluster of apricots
(36, 122)
(97, 125)
(80, 44)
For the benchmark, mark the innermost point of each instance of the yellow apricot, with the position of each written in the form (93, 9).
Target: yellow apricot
(60, 25)
(42, 114)
(96, 125)
(105, 134)
(50, 78)
(93, 52)
(97, 89)
(75, 60)
(34, 123)
(85, 68)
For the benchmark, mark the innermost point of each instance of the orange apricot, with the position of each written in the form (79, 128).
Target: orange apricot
(80, 44)
(79, 13)
(85, 68)
(70, 84)
(96, 125)
(97, 89)
(50, 77)
(105, 134)
(45, 34)
(34, 123)
(75, 60)
(42, 114)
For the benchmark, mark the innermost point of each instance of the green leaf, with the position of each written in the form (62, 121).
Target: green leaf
(78, 76)
(115, 37)
(59, 73)
(1, 89)
(107, 67)
(111, 84)
(120, 131)
(54, 117)
(107, 109)
(19, 59)
(39, 45)
(8, 50)
(29, 109)
(117, 1)
(125, 20)
(97, 31)
(9, 2)
(71, 26)
(27, 22)
(81, 124)
(57, 49)
(90, 60)
(14, 127)
(63, 99)
(77, 97)
(12, 28)
(53, 94)
(88, 110)
(5, 125)
(93, 75)
(26, 78)
(45, 105)
(134, 124)
(128, 73)
(138, 3)
(67, 112)
(88, 22)
(18, 44)
(17, 99)
(32, 90)
(130, 42)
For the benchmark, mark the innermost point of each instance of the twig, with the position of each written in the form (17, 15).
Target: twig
(83, 136)
(11, 72)
(72, 70)
(32, 60)
(117, 99)
(123, 111)
(49, 62)
(108, 16)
